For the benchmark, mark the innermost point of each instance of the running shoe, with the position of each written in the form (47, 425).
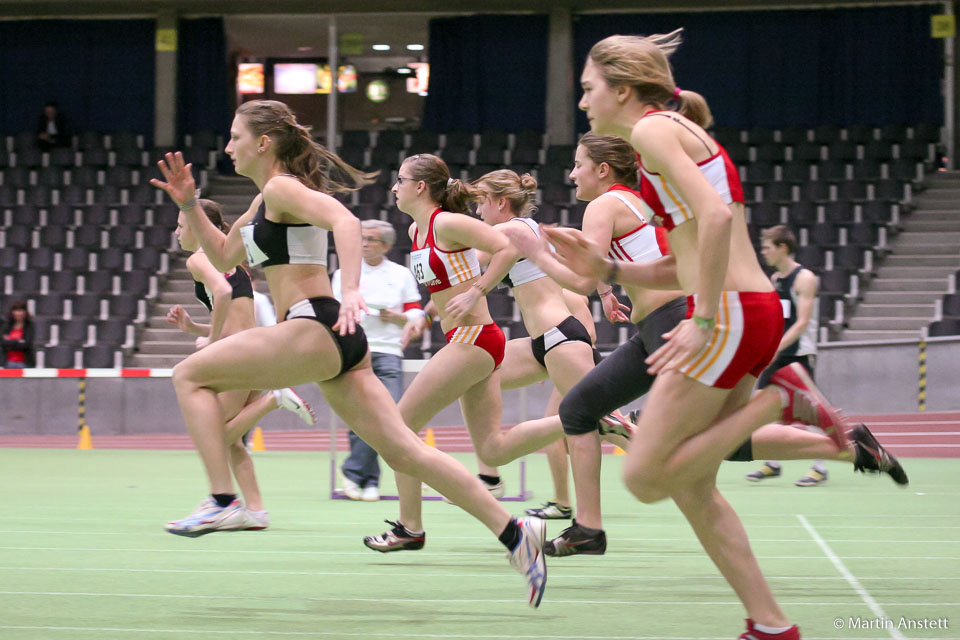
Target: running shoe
(551, 511)
(233, 517)
(289, 399)
(806, 405)
(812, 479)
(371, 493)
(616, 424)
(351, 489)
(764, 472)
(256, 520)
(399, 538)
(576, 539)
(793, 633)
(527, 558)
(872, 457)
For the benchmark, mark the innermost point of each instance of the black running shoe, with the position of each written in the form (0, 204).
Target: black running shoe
(576, 539)
(872, 457)
(396, 539)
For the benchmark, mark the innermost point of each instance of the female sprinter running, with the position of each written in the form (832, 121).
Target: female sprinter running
(285, 230)
(229, 299)
(699, 407)
(444, 259)
(605, 173)
(563, 346)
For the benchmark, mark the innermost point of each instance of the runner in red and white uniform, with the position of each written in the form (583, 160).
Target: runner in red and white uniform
(444, 259)
(699, 408)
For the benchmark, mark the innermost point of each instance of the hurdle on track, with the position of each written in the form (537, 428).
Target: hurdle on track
(413, 366)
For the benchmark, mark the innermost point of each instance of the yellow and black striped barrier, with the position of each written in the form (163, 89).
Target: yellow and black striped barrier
(85, 441)
(922, 380)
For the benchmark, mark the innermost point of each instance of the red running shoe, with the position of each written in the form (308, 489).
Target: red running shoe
(806, 405)
(793, 633)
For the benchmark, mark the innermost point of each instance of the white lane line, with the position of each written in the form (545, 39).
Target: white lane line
(380, 572)
(391, 634)
(437, 553)
(842, 568)
(627, 603)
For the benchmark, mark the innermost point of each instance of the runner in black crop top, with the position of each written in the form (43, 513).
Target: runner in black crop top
(269, 243)
(239, 281)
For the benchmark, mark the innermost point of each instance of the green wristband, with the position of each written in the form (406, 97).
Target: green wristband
(707, 324)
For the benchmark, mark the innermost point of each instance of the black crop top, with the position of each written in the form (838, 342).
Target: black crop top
(270, 243)
(239, 281)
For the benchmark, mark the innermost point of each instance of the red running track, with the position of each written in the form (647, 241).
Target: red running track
(909, 435)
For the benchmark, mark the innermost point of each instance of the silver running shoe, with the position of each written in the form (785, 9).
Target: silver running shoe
(528, 559)
(256, 520)
(615, 424)
(233, 517)
(551, 511)
(289, 399)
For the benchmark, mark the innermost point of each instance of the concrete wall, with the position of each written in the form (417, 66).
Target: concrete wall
(861, 378)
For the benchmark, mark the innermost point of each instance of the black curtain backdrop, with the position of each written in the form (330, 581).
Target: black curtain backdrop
(487, 73)
(203, 100)
(101, 72)
(783, 68)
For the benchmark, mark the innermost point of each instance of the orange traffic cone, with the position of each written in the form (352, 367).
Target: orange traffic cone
(257, 440)
(86, 441)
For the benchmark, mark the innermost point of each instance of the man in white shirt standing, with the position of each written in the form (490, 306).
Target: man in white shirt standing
(393, 298)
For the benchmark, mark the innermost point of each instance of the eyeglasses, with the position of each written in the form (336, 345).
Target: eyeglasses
(400, 179)
(371, 239)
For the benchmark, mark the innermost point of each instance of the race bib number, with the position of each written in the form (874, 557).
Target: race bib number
(420, 265)
(255, 255)
(787, 306)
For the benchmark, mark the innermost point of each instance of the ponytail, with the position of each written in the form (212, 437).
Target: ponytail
(300, 154)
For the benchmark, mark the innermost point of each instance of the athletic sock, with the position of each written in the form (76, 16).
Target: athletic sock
(491, 480)
(511, 535)
(411, 532)
(773, 464)
(224, 499)
(771, 630)
(819, 467)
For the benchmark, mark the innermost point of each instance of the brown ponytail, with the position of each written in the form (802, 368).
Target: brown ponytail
(452, 194)
(214, 214)
(617, 153)
(299, 153)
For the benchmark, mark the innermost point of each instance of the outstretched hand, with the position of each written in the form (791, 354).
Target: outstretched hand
(179, 185)
(613, 309)
(577, 252)
(178, 316)
(527, 244)
(683, 342)
(352, 311)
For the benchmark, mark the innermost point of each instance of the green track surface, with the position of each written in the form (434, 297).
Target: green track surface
(83, 555)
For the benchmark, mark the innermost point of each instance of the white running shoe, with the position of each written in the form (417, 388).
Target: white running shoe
(289, 400)
(351, 489)
(213, 518)
(528, 557)
(256, 520)
(207, 504)
(371, 493)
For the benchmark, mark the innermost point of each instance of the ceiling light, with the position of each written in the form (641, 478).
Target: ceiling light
(381, 47)
(414, 47)
(404, 70)
(422, 94)
(304, 48)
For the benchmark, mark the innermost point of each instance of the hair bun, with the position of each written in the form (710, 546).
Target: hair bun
(528, 182)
